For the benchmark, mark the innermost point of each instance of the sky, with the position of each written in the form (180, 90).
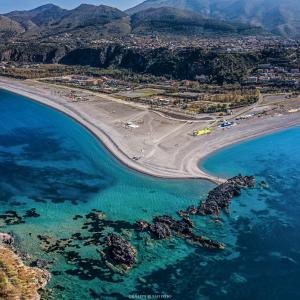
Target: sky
(9, 5)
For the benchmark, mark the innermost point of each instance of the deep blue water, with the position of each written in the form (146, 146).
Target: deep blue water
(50, 163)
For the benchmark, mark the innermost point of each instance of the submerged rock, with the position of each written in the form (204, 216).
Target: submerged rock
(206, 243)
(31, 213)
(264, 185)
(11, 217)
(220, 197)
(238, 278)
(39, 263)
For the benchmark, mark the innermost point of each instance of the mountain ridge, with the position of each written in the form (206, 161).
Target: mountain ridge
(90, 22)
(279, 17)
(160, 20)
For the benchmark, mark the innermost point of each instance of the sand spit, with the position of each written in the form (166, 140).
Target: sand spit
(159, 146)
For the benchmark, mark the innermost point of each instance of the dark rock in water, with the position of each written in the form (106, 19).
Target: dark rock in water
(31, 213)
(182, 227)
(263, 184)
(11, 218)
(119, 251)
(164, 226)
(39, 263)
(188, 221)
(206, 243)
(191, 210)
(160, 230)
(220, 197)
(96, 215)
(59, 287)
(77, 236)
(182, 213)
(142, 225)
(6, 239)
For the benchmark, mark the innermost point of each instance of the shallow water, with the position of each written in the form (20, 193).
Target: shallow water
(50, 163)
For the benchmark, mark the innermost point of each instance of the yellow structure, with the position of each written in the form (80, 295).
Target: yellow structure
(202, 132)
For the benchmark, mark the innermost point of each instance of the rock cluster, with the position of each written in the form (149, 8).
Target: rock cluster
(116, 251)
(11, 217)
(165, 226)
(119, 251)
(220, 197)
(31, 213)
(6, 239)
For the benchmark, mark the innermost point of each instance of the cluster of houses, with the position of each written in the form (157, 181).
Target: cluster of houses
(230, 44)
(268, 74)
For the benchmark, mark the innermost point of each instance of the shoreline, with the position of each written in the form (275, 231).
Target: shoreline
(248, 139)
(182, 163)
(108, 143)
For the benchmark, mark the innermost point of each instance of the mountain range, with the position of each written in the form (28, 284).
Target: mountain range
(277, 16)
(88, 22)
(85, 20)
(168, 17)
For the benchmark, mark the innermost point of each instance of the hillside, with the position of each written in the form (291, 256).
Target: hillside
(9, 28)
(89, 15)
(169, 20)
(85, 21)
(50, 23)
(279, 17)
(199, 6)
(41, 16)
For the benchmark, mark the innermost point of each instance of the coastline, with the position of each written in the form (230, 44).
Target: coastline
(17, 279)
(161, 158)
(248, 139)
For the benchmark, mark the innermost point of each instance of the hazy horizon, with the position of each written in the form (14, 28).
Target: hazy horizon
(10, 5)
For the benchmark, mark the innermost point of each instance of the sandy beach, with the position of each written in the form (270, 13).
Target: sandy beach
(159, 146)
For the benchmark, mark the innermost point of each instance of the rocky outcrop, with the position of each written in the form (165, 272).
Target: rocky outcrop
(182, 63)
(119, 252)
(6, 239)
(33, 53)
(18, 281)
(165, 226)
(220, 197)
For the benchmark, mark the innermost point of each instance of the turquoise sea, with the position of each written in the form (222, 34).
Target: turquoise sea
(51, 165)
